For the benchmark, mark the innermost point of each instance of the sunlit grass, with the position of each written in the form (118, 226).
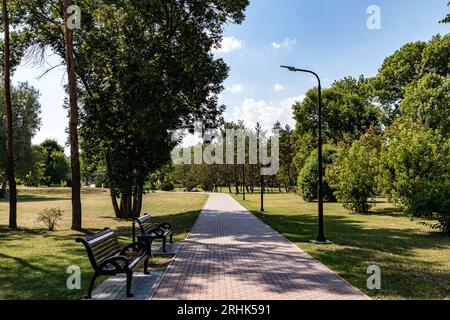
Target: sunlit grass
(414, 259)
(33, 261)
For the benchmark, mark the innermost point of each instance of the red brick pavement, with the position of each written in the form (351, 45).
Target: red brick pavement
(232, 255)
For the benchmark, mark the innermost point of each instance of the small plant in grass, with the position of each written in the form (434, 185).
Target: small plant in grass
(50, 217)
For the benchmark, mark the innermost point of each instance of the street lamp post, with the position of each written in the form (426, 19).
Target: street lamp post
(262, 192)
(321, 236)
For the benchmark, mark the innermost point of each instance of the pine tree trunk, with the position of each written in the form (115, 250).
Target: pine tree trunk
(229, 180)
(115, 204)
(73, 123)
(10, 172)
(3, 188)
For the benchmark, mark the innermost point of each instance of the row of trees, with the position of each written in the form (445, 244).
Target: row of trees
(388, 135)
(384, 136)
(237, 178)
(137, 69)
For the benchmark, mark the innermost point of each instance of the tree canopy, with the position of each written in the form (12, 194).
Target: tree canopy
(347, 111)
(407, 65)
(26, 122)
(144, 69)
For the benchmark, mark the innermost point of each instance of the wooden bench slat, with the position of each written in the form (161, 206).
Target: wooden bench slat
(104, 247)
(100, 237)
(151, 230)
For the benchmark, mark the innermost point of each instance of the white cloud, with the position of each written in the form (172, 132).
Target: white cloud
(276, 45)
(252, 111)
(229, 44)
(236, 88)
(278, 87)
(285, 44)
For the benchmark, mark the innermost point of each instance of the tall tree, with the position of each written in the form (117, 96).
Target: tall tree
(145, 68)
(26, 122)
(396, 72)
(73, 122)
(407, 65)
(347, 113)
(9, 120)
(427, 101)
(55, 165)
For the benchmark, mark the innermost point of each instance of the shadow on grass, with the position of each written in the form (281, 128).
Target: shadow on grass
(404, 273)
(347, 232)
(29, 273)
(33, 198)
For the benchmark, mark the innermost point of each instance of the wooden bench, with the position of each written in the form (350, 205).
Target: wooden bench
(151, 230)
(108, 258)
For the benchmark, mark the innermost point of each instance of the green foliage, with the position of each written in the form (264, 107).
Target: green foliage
(307, 179)
(137, 91)
(397, 71)
(352, 175)
(427, 101)
(50, 217)
(347, 111)
(287, 173)
(411, 155)
(167, 186)
(26, 122)
(36, 173)
(433, 201)
(447, 18)
(407, 65)
(56, 165)
(436, 56)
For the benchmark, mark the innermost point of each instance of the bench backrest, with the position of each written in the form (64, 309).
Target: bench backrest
(146, 223)
(101, 246)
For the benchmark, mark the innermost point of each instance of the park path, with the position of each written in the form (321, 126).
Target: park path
(232, 255)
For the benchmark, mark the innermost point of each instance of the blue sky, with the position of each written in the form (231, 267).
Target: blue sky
(328, 36)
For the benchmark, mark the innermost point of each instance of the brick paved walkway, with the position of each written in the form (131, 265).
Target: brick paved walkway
(232, 255)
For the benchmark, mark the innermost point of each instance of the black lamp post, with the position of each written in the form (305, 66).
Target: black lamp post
(262, 192)
(321, 236)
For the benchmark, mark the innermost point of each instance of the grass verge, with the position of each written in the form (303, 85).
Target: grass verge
(414, 259)
(34, 261)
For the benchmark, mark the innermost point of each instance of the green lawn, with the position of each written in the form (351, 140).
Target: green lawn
(33, 261)
(414, 259)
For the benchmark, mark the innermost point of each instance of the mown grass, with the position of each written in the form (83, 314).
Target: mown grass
(33, 261)
(414, 259)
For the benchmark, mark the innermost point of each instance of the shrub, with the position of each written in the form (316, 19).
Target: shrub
(411, 156)
(50, 217)
(433, 201)
(307, 180)
(353, 177)
(167, 186)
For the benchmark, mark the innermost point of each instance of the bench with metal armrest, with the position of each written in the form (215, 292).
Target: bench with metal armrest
(108, 258)
(151, 230)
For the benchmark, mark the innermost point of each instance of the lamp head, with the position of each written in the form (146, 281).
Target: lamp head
(293, 69)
